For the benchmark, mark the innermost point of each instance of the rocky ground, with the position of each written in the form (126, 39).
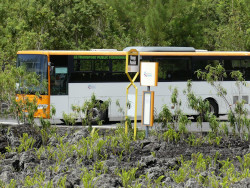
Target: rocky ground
(61, 161)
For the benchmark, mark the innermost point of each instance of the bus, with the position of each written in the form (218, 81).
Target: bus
(73, 76)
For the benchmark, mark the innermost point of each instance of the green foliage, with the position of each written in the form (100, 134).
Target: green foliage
(62, 181)
(184, 172)
(12, 184)
(18, 79)
(117, 24)
(197, 104)
(69, 119)
(88, 177)
(171, 136)
(26, 143)
(37, 179)
(214, 124)
(92, 111)
(165, 116)
(127, 176)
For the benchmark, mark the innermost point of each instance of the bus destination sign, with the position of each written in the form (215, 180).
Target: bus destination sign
(133, 61)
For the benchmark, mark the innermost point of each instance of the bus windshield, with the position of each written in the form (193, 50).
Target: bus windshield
(37, 64)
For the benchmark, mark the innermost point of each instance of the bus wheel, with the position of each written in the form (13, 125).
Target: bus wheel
(97, 115)
(213, 107)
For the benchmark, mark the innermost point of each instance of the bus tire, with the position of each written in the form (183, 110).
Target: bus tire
(214, 109)
(98, 115)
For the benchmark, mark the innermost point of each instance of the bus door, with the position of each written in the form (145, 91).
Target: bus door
(59, 85)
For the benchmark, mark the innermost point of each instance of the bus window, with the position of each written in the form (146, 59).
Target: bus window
(174, 70)
(245, 68)
(59, 76)
(236, 64)
(59, 81)
(118, 65)
(118, 71)
(83, 65)
(101, 65)
(37, 64)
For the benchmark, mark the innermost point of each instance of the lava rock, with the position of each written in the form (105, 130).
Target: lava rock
(154, 172)
(28, 157)
(192, 183)
(3, 144)
(244, 183)
(107, 181)
(82, 133)
(148, 161)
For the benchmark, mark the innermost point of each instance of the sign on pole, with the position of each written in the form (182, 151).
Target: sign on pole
(148, 108)
(133, 61)
(149, 77)
(149, 73)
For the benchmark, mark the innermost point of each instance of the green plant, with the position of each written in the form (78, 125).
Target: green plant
(45, 136)
(224, 129)
(197, 104)
(171, 136)
(40, 152)
(49, 184)
(10, 149)
(213, 181)
(153, 154)
(69, 119)
(127, 176)
(37, 179)
(149, 183)
(165, 116)
(214, 124)
(26, 143)
(200, 162)
(62, 181)
(191, 139)
(184, 172)
(176, 102)
(94, 110)
(217, 140)
(245, 162)
(24, 83)
(158, 181)
(99, 146)
(183, 122)
(237, 116)
(12, 184)
(88, 178)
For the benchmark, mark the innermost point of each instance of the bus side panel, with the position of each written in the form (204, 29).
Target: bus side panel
(80, 92)
(61, 103)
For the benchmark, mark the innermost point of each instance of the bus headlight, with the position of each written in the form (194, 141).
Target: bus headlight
(42, 106)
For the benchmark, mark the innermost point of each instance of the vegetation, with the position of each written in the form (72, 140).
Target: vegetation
(73, 24)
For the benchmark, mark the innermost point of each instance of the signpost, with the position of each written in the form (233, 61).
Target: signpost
(132, 65)
(149, 77)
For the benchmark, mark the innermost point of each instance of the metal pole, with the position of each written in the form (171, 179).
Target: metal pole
(147, 127)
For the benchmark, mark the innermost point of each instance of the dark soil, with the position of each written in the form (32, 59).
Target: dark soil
(153, 157)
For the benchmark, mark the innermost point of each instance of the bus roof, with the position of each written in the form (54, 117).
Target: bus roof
(123, 53)
(160, 49)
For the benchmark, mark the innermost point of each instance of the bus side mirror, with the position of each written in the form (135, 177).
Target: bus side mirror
(51, 69)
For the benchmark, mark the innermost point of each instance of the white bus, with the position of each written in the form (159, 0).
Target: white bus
(73, 76)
